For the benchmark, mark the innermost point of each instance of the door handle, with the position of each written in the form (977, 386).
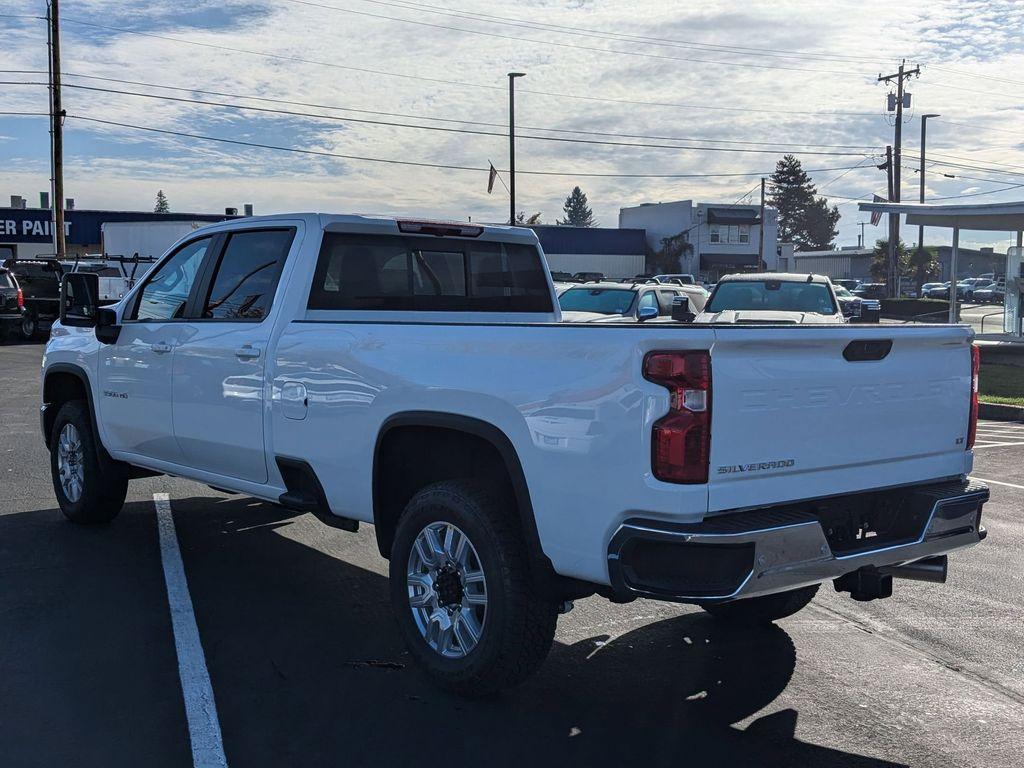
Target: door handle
(160, 347)
(248, 352)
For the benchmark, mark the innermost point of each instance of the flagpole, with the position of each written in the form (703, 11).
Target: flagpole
(512, 145)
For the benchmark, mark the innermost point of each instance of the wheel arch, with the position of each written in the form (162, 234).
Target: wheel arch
(63, 382)
(434, 428)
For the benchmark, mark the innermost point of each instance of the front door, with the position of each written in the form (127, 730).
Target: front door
(135, 372)
(219, 365)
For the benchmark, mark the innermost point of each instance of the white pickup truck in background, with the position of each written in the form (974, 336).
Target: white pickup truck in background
(415, 375)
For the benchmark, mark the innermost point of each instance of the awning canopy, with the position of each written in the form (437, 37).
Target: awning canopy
(732, 216)
(989, 217)
(712, 260)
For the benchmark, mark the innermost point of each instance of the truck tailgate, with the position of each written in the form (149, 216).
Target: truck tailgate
(793, 414)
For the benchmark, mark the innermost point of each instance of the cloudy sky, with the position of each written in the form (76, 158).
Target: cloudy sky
(721, 89)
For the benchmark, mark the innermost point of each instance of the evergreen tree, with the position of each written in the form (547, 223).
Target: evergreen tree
(523, 220)
(880, 259)
(162, 206)
(577, 210)
(805, 219)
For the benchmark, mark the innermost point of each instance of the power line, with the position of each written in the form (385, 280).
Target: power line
(388, 123)
(390, 161)
(459, 83)
(574, 46)
(606, 35)
(775, 146)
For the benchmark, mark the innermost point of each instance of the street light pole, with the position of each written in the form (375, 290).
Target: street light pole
(512, 145)
(920, 228)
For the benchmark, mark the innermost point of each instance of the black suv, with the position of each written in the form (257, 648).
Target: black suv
(30, 295)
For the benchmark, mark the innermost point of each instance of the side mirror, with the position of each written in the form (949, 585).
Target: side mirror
(79, 299)
(681, 309)
(646, 313)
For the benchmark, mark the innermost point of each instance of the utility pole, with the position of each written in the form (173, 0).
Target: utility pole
(895, 162)
(894, 226)
(56, 130)
(920, 229)
(760, 234)
(512, 144)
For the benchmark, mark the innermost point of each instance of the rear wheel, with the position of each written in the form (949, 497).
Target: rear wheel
(755, 611)
(28, 327)
(461, 590)
(89, 485)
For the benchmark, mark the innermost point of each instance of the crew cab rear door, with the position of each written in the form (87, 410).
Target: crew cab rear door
(218, 384)
(810, 411)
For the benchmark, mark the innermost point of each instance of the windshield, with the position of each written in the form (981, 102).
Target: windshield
(772, 295)
(843, 292)
(606, 301)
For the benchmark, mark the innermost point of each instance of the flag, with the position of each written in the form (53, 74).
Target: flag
(491, 176)
(876, 216)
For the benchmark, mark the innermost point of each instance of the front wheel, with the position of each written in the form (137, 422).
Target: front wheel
(765, 609)
(461, 590)
(89, 485)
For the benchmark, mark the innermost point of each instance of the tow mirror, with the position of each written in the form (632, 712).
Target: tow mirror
(79, 299)
(647, 313)
(681, 309)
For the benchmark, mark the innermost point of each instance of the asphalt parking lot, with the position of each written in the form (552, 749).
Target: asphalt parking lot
(307, 668)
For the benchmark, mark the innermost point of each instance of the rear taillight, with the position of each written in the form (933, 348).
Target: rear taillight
(21, 299)
(681, 439)
(972, 423)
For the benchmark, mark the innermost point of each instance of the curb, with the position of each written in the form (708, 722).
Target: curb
(1000, 412)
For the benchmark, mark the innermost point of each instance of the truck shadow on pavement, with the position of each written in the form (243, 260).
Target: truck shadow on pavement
(308, 669)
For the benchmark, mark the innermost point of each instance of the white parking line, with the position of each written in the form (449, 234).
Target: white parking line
(200, 708)
(998, 482)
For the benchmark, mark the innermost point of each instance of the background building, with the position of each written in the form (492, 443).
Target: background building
(26, 232)
(613, 252)
(846, 263)
(725, 237)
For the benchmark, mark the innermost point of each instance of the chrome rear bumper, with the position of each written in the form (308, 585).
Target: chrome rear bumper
(757, 552)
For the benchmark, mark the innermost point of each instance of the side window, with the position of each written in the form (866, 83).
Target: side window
(648, 300)
(246, 277)
(665, 301)
(165, 294)
(360, 273)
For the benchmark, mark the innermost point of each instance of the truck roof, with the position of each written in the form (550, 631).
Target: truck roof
(390, 225)
(785, 277)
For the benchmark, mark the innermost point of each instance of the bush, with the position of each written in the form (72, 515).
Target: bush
(936, 309)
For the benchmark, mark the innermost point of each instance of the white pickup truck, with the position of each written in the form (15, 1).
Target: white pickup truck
(415, 375)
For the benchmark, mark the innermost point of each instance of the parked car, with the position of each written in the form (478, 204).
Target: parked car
(995, 293)
(562, 277)
(511, 463)
(937, 291)
(614, 302)
(772, 298)
(39, 281)
(871, 291)
(846, 283)
(856, 309)
(587, 277)
(12, 307)
(965, 288)
(926, 287)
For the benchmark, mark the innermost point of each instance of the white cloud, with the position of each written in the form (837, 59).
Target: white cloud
(119, 168)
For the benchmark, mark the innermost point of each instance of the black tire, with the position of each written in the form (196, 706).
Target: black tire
(755, 611)
(105, 481)
(28, 328)
(519, 625)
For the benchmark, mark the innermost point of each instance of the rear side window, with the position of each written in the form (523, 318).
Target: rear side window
(246, 277)
(5, 280)
(428, 274)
